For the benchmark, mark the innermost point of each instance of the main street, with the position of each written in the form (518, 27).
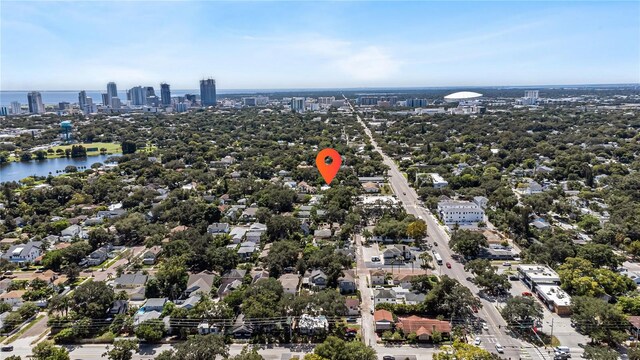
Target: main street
(514, 349)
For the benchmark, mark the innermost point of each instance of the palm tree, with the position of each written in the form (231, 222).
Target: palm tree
(426, 260)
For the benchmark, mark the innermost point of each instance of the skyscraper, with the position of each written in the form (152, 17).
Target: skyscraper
(4, 111)
(115, 103)
(138, 95)
(112, 91)
(150, 91)
(106, 100)
(82, 100)
(208, 92)
(35, 102)
(165, 94)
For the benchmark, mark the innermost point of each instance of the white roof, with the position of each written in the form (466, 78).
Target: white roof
(462, 95)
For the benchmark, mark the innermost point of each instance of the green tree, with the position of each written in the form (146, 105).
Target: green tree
(467, 243)
(248, 353)
(150, 330)
(337, 349)
(172, 277)
(122, 350)
(601, 321)
(449, 298)
(128, 147)
(46, 350)
(600, 353)
(522, 311)
(207, 347)
(92, 299)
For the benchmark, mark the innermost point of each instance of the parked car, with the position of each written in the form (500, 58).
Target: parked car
(448, 265)
(485, 326)
(499, 348)
(375, 259)
(435, 243)
(7, 348)
(526, 293)
(388, 357)
(477, 341)
(506, 263)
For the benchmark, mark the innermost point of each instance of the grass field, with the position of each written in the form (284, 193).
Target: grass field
(111, 147)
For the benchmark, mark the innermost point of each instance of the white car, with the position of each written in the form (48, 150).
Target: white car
(499, 348)
(485, 326)
(477, 341)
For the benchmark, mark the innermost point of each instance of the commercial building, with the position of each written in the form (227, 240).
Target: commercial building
(460, 212)
(82, 100)
(556, 299)
(297, 104)
(208, 92)
(35, 102)
(165, 94)
(115, 103)
(112, 91)
(249, 101)
(4, 111)
(367, 100)
(533, 275)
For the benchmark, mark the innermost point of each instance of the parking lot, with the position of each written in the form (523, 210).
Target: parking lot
(375, 250)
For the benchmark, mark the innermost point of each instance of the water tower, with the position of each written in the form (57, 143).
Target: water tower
(65, 128)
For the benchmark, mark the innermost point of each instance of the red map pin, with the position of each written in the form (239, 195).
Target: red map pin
(328, 171)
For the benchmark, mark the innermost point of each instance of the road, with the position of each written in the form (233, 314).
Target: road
(110, 272)
(436, 233)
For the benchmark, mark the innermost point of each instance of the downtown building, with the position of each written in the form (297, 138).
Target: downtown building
(165, 94)
(36, 106)
(208, 92)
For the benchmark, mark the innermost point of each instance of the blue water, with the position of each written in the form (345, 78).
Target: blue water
(15, 171)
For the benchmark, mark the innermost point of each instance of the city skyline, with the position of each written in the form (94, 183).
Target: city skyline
(345, 45)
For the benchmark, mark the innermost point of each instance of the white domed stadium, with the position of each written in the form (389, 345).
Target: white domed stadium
(462, 96)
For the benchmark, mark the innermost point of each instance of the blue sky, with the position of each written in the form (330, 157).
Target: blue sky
(253, 45)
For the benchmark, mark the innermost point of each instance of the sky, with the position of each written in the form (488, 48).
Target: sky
(306, 44)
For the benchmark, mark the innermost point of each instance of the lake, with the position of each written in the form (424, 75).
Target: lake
(15, 171)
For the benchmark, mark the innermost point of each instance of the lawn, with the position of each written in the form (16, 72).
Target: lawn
(111, 147)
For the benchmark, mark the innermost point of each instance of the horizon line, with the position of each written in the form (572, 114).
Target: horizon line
(374, 87)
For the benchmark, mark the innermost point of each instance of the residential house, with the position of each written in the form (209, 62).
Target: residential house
(347, 283)
(237, 234)
(322, 234)
(231, 280)
(23, 253)
(384, 296)
(200, 283)
(370, 187)
(253, 236)
(151, 255)
(378, 277)
(353, 306)
(218, 228)
(99, 255)
(249, 214)
(71, 232)
(111, 214)
(241, 329)
(204, 328)
(246, 250)
(481, 201)
(404, 280)
(305, 188)
(118, 307)
(424, 328)
(154, 304)
(384, 320)
(289, 283)
(396, 254)
(315, 278)
(130, 281)
(141, 317)
(13, 298)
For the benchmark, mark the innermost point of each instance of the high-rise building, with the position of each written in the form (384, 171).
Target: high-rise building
(297, 104)
(82, 100)
(530, 97)
(152, 101)
(112, 91)
(191, 97)
(106, 100)
(90, 108)
(63, 105)
(249, 101)
(115, 103)
(181, 107)
(138, 95)
(4, 111)
(367, 100)
(262, 100)
(208, 92)
(165, 94)
(150, 91)
(16, 108)
(35, 102)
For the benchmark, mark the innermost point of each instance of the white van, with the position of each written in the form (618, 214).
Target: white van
(562, 349)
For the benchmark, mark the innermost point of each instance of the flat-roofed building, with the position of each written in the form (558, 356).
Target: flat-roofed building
(556, 299)
(438, 181)
(460, 212)
(534, 275)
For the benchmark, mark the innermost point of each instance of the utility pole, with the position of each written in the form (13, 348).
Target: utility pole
(551, 335)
